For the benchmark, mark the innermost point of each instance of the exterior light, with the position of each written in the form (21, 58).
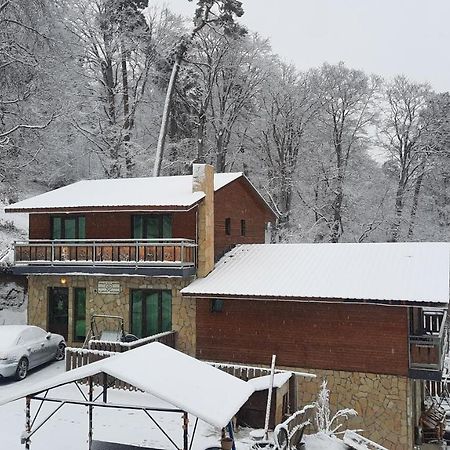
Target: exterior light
(63, 280)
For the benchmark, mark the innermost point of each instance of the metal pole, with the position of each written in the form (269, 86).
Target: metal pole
(269, 397)
(231, 434)
(27, 422)
(185, 431)
(105, 387)
(90, 410)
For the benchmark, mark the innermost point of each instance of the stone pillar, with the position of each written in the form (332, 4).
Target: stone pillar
(203, 181)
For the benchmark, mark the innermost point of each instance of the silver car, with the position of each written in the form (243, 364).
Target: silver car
(23, 347)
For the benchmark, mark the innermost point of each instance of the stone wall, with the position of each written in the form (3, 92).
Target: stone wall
(183, 310)
(381, 401)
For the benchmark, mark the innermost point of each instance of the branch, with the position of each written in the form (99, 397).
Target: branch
(28, 127)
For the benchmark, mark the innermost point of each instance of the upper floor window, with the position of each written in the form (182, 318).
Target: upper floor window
(228, 226)
(152, 226)
(243, 228)
(69, 227)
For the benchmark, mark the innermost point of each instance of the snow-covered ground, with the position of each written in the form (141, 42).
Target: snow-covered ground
(68, 428)
(12, 227)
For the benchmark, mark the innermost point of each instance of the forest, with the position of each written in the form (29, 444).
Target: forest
(122, 88)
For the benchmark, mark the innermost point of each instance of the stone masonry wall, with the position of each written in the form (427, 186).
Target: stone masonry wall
(381, 401)
(183, 310)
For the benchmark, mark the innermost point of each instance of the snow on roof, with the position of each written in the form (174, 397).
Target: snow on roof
(185, 382)
(382, 272)
(175, 191)
(262, 383)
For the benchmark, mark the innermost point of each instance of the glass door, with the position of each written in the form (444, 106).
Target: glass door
(58, 310)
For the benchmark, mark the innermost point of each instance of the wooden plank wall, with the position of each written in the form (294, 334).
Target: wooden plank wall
(349, 337)
(113, 225)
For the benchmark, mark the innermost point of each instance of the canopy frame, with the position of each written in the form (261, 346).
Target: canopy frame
(90, 402)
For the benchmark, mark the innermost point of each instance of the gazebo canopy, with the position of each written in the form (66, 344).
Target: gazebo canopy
(178, 379)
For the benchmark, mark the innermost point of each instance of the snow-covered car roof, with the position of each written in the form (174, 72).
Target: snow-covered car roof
(172, 191)
(387, 273)
(174, 377)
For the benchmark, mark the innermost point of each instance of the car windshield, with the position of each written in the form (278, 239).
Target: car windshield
(8, 337)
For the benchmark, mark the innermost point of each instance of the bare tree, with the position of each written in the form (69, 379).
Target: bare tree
(218, 12)
(289, 104)
(402, 135)
(348, 111)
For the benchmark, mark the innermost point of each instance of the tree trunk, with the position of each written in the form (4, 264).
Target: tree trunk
(108, 79)
(395, 229)
(126, 112)
(201, 130)
(166, 112)
(415, 204)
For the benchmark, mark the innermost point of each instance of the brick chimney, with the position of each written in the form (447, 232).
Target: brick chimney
(203, 181)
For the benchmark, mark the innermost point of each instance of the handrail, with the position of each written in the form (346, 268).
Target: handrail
(83, 241)
(427, 351)
(172, 252)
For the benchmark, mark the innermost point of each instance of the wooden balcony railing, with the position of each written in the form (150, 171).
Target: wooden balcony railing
(139, 252)
(427, 351)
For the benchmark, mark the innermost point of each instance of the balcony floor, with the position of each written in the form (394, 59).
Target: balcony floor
(66, 269)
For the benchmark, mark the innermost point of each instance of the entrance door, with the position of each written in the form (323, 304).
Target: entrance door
(58, 315)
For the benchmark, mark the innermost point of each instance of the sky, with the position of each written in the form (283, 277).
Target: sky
(385, 37)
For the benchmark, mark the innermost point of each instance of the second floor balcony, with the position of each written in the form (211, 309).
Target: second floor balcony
(428, 345)
(155, 257)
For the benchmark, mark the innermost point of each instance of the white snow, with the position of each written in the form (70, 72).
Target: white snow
(68, 428)
(385, 272)
(185, 382)
(262, 383)
(175, 191)
(12, 227)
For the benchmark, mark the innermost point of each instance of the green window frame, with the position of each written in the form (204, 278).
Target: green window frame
(150, 311)
(152, 226)
(79, 314)
(68, 227)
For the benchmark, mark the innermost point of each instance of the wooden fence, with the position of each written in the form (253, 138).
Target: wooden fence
(78, 357)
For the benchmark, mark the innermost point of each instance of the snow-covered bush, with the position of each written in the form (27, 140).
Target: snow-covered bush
(325, 422)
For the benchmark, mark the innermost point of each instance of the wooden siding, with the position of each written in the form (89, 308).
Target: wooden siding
(112, 225)
(237, 201)
(363, 338)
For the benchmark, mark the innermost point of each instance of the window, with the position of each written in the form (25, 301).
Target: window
(216, 305)
(228, 226)
(243, 227)
(151, 312)
(79, 314)
(152, 226)
(70, 227)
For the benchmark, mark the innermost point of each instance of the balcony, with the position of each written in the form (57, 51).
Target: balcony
(153, 257)
(427, 349)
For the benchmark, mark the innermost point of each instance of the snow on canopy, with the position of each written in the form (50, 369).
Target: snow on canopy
(175, 191)
(262, 383)
(382, 272)
(178, 379)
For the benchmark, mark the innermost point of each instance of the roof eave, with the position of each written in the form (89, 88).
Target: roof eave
(382, 302)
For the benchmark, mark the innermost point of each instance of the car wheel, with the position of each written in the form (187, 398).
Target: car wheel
(60, 352)
(22, 369)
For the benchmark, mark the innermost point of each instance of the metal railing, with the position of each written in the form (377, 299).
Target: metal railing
(78, 357)
(139, 252)
(427, 351)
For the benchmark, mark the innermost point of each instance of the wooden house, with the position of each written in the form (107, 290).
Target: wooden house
(370, 318)
(126, 247)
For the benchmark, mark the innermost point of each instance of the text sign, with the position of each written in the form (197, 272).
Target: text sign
(108, 287)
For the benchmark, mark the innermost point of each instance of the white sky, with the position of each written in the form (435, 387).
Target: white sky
(386, 37)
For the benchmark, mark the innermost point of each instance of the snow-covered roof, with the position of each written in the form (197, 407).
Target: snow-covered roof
(174, 191)
(178, 379)
(263, 383)
(382, 272)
